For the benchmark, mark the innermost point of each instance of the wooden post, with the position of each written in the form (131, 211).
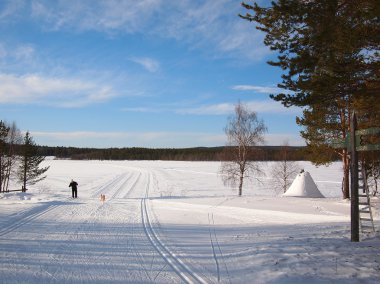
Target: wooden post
(354, 184)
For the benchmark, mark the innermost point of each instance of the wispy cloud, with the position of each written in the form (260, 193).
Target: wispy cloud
(143, 109)
(258, 89)
(24, 52)
(259, 106)
(103, 16)
(61, 92)
(20, 52)
(211, 24)
(3, 51)
(10, 8)
(215, 25)
(129, 139)
(162, 139)
(215, 109)
(147, 63)
(266, 106)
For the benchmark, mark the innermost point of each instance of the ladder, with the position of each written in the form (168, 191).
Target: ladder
(365, 212)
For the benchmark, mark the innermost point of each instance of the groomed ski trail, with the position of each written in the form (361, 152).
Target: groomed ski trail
(183, 271)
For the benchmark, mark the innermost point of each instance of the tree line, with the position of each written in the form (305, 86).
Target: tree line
(261, 153)
(19, 158)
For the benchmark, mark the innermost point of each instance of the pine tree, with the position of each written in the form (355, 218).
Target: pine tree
(29, 171)
(329, 53)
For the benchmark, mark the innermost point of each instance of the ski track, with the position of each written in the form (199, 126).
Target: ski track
(98, 245)
(217, 251)
(182, 270)
(26, 218)
(131, 237)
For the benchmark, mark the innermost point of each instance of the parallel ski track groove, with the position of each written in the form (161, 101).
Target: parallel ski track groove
(25, 220)
(109, 184)
(215, 244)
(132, 186)
(118, 183)
(125, 178)
(182, 270)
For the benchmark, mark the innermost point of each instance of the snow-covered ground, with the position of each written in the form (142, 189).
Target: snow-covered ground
(175, 222)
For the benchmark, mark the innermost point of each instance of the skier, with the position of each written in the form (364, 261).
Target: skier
(74, 188)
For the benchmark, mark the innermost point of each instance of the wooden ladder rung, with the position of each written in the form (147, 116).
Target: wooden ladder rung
(367, 227)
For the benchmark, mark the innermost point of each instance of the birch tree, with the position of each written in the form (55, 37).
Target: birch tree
(10, 137)
(4, 130)
(244, 131)
(284, 171)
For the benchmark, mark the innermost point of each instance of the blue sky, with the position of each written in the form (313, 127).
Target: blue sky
(147, 73)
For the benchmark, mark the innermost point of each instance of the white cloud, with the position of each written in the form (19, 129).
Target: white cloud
(104, 16)
(24, 52)
(267, 106)
(216, 109)
(149, 139)
(129, 139)
(259, 106)
(3, 51)
(147, 63)
(63, 92)
(199, 24)
(213, 25)
(142, 109)
(258, 89)
(10, 8)
(20, 52)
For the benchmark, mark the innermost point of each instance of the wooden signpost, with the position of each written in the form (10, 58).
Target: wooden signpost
(354, 168)
(360, 140)
(357, 141)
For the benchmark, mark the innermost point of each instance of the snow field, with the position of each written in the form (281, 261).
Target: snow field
(175, 222)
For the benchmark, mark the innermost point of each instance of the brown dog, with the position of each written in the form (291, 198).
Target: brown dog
(103, 197)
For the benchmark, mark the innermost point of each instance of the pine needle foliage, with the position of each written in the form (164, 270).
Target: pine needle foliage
(29, 171)
(329, 53)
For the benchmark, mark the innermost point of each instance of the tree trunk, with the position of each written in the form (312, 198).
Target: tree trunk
(1, 173)
(7, 174)
(346, 175)
(241, 185)
(25, 171)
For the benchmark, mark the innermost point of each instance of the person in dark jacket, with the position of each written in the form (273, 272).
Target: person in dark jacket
(74, 188)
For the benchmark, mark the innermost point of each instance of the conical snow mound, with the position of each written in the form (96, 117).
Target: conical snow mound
(303, 186)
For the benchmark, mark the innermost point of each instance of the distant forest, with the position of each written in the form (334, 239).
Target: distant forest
(265, 153)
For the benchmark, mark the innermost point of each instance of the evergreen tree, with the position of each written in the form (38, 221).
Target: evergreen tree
(29, 171)
(329, 53)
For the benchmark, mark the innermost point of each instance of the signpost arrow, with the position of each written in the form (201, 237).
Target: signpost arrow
(365, 140)
(355, 141)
